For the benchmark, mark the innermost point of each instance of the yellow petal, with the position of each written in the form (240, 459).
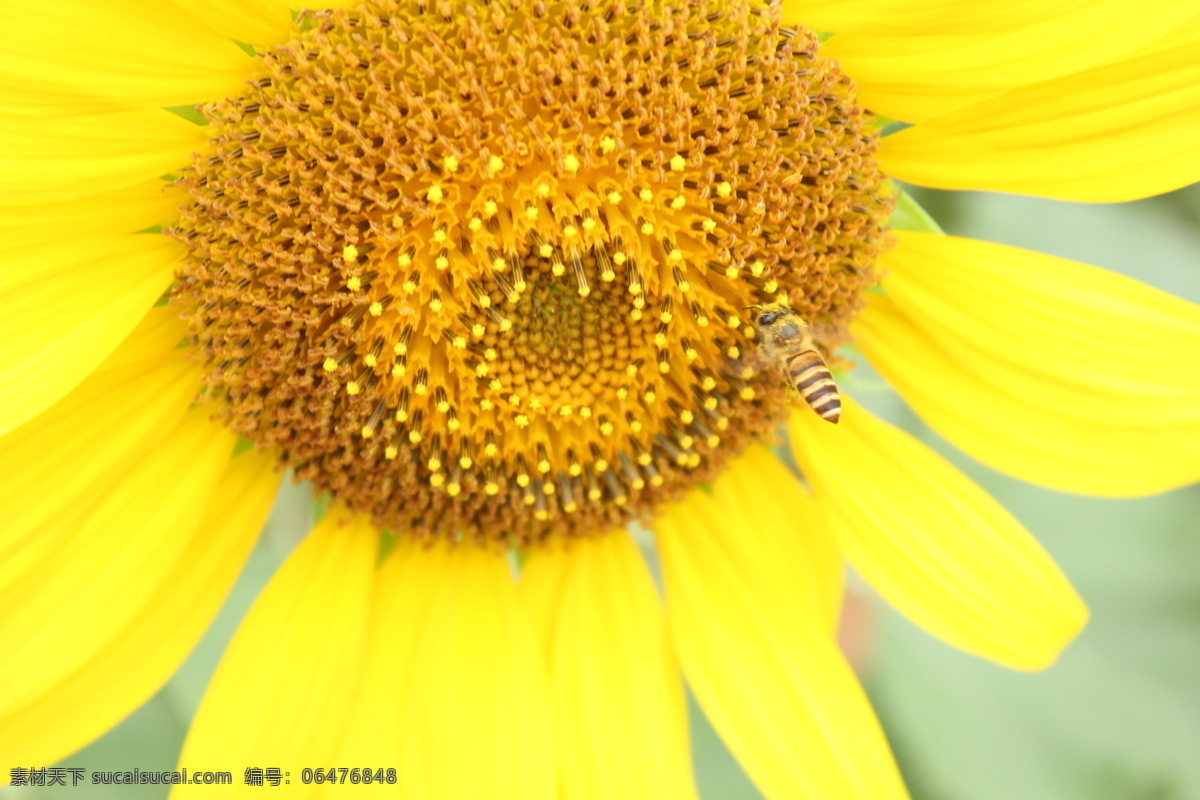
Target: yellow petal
(1112, 133)
(785, 541)
(477, 686)
(48, 160)
(1050, 447)
(543, 576)
(915, 75)
(618, 697)
(1081, 370)
(933, 543)
(72, 56)
(24, 230)
(31, 260)
(64, 609)
(406, 584)
(1108, 347)
(923, 16)
(57, 465)
(185, 593)
(65, 307)
(259, 22)
(770, 679)
(286, 685)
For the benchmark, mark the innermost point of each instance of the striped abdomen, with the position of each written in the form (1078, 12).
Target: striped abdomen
(809, 374)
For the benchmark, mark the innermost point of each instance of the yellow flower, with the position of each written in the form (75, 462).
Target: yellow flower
(482, 272)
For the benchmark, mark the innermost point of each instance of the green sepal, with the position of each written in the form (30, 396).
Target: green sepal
(908, 215)
(321, 506)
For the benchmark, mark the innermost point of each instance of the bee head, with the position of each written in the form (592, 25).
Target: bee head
(767, 315)
(778, 323)
(766, 318)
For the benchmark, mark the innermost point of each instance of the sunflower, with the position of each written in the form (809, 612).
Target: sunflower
(482, 273)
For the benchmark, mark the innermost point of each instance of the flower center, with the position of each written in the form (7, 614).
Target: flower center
(482, 269)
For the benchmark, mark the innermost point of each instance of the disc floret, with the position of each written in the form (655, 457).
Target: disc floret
(481, 271)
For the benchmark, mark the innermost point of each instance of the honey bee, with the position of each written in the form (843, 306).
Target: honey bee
(784, 341)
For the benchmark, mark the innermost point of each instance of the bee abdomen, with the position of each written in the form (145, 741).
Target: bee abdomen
(812, 379)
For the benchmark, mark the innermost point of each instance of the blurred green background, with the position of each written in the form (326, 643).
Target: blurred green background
(1117, 718)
